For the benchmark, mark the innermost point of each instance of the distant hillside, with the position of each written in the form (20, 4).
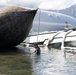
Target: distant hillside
(68, 11)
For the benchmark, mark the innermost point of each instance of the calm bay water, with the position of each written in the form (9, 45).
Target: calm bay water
(22, 61)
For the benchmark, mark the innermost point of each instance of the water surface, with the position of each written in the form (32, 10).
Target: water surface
(14, 61)
(54, 62)
(22, 61)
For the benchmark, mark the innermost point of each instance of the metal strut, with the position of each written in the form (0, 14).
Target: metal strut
(49, 40)
(64, 37)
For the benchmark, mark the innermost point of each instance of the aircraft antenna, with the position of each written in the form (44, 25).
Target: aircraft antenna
(39, 24)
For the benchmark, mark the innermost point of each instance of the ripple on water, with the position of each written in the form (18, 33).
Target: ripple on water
(54, 62)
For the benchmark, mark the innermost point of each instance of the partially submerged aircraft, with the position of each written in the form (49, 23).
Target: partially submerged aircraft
(46, 25)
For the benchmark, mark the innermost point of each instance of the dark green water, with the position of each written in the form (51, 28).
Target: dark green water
(15, 61)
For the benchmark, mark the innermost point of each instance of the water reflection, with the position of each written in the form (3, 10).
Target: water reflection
(15, 61)
(54, 62)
